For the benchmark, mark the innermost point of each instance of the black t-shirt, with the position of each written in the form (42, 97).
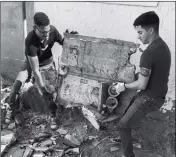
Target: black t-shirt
(157, 57)
(34, 47)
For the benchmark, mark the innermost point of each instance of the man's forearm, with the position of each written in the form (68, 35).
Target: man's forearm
(134, 85)
(39, 80)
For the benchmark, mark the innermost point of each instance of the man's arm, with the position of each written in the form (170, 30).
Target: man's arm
(142, 81)
(57, 36)
(35, 68)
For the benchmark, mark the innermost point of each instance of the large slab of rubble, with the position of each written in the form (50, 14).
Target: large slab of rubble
(98, 58)
(94, 64)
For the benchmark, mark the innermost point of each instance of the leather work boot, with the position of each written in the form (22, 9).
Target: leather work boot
(11, 102)
(8, 115)
(53, 123)
(53, 109)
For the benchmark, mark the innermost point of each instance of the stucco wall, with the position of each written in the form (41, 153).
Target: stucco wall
(12, 39)
(110, 21)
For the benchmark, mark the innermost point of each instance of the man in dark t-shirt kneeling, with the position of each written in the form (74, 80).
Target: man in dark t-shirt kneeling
(38, 44)
(152, 81)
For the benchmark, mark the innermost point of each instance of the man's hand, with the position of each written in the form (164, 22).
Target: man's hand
(119, 87)
(71, 32)
(116, 88)
(46, 94)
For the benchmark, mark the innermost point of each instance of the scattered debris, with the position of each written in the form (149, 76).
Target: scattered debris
(53, 126)
(92, 137)
(91, 117)
(58, 153)
(47, 142)
(41, 149)
(7, 139)
(41, 136)
(137, 145)
(75, 150)
(95, 142)
(28, 152)
(115, 140)
(73, 139)
(38, 155)
(11, 126)
(112, 149)
(42, 127)
(62, 131)
(64, 141)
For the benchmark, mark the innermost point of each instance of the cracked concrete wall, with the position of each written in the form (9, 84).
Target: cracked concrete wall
(111, 21)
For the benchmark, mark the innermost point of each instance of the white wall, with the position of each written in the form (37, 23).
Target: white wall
(111, 21)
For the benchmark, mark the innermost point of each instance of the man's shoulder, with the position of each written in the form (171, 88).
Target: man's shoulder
(157, 45)
(54, 29)
(158, 48)
(31, 38)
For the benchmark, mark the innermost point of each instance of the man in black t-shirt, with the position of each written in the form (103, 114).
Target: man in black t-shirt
(152, 81)
(38, 44)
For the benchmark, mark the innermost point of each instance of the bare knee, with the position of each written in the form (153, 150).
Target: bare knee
(22, 76)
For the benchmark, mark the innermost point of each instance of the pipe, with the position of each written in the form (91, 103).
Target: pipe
(111, 103)
(24, 19)
(112, 91)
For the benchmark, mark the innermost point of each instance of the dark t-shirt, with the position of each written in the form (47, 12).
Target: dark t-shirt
(34, 47)
(157, 57)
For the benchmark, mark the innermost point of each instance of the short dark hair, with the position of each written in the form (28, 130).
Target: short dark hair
(148, 19)
(41, 19)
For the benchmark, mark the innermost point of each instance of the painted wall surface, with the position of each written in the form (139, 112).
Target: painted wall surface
(12, 39)
(108, 20)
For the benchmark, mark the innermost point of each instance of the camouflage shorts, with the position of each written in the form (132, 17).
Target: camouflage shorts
(31, 97)
(50, 77)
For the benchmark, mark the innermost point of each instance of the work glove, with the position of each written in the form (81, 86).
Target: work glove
(116, 88)
(119, 87)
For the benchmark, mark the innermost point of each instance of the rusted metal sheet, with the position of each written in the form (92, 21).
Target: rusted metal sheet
(75, 89)
(98, 58)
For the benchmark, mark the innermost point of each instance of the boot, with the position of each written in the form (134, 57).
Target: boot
(12, 100)
(53, 109)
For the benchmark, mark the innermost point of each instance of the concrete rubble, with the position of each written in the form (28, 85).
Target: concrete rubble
(69, 139)
(7, 138)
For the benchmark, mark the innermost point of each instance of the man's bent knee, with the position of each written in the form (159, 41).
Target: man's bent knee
(22, 76)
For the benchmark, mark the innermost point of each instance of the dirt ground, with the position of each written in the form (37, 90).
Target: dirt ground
(155, 134)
